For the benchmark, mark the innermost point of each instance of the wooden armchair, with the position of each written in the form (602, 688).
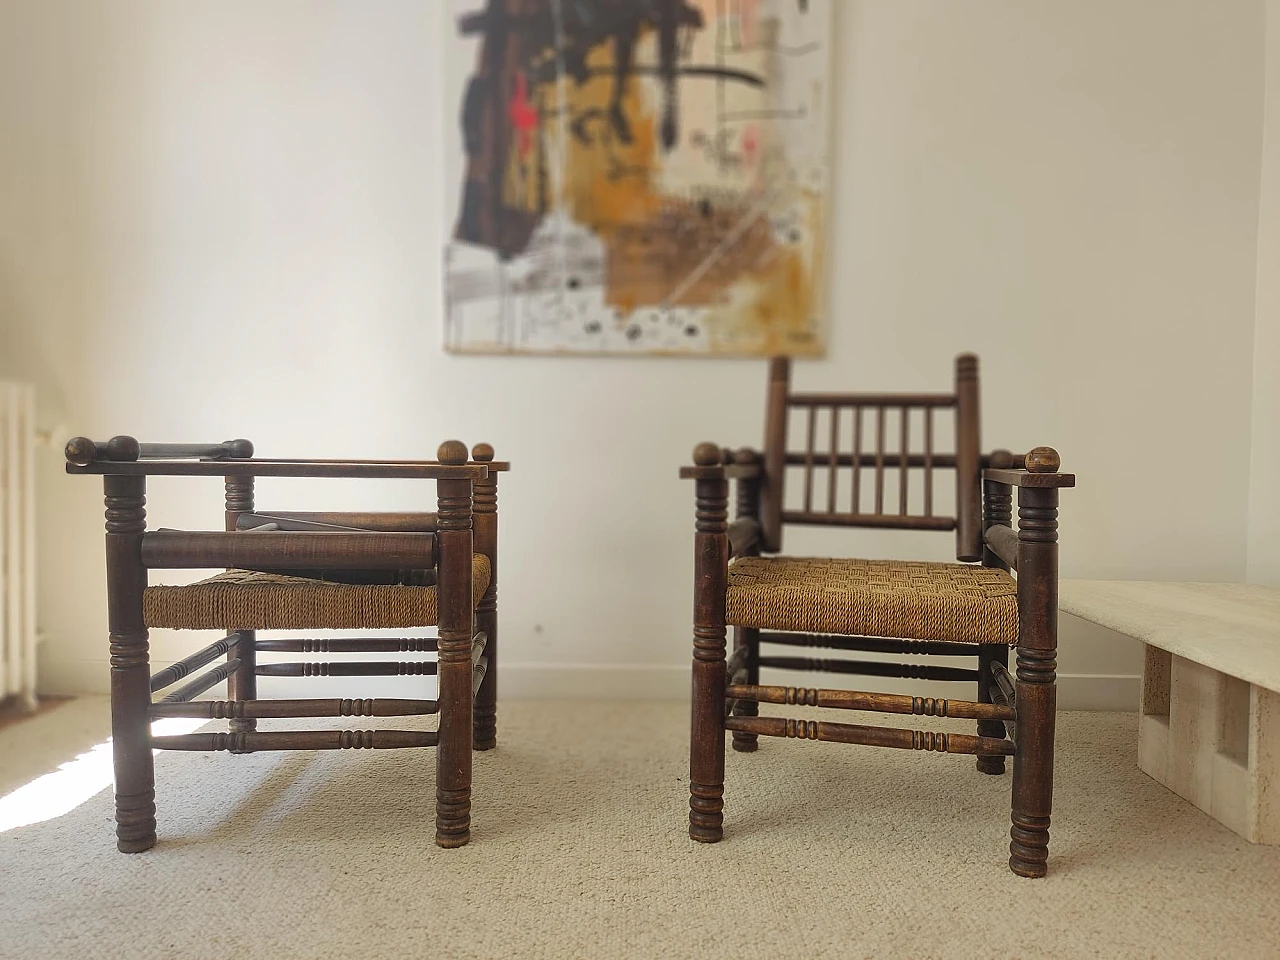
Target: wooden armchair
(299, 571)
(972, 608)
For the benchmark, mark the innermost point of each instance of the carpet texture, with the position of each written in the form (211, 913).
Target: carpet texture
(579, 850)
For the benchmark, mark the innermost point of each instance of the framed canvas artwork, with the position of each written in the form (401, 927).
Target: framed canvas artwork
(637, 176)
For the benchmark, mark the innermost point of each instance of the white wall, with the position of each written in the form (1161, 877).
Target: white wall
(248, 200)
(1264, 492)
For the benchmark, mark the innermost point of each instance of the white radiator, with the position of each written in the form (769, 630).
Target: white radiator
(17, 543)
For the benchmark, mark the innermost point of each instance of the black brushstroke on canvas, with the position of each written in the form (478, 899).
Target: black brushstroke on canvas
(524, 45)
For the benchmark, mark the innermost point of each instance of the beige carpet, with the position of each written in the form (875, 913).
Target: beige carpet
(579, 850)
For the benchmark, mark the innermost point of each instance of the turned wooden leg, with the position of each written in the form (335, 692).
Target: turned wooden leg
(485, 734)
(1037, 694)
(749, 638)
(457, 628)
(706, 752)
(989, 653)
(130, 665)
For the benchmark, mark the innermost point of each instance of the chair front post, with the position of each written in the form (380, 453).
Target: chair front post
(1036, 692)
(126, 499)
(711, 558)
(243, 683)
(457, 630)
(485, 726)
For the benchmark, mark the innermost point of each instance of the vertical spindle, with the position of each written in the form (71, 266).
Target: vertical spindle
(834, 460)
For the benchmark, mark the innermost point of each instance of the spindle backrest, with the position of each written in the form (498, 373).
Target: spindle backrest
(856, 474)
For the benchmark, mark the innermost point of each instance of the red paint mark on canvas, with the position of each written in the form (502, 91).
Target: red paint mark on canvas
(524, 116)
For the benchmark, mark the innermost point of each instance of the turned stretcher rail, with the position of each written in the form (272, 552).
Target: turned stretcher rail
(419, 668)
(290, 709)
(893, 737)
(875, 702)
(203, 682)
(299, 740)
(350, 645)
(201, 658)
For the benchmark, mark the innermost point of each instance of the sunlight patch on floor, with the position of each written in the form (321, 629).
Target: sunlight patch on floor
(74, 782)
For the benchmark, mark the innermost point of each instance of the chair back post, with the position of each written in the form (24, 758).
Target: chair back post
(968, 461)
(484, 735)
(775, 453)
(455, 542)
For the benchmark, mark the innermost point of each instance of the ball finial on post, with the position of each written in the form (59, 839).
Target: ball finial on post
(452, 452)
(1043, 460)
(81, 451)
(123, 449)
(482, 453)
(706, 455)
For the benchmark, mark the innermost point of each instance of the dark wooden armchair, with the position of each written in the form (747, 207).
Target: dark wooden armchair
(974, 607)
(299, 571)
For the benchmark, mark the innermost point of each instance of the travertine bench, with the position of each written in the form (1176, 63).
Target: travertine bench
(1210, 716)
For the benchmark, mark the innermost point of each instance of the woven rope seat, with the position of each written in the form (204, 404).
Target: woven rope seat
(874, 598)
(246, 600)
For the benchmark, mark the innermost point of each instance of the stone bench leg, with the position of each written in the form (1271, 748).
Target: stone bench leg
(1213, 740)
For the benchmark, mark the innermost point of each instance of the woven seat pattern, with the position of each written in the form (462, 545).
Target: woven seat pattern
(246, 600)
(874, 598)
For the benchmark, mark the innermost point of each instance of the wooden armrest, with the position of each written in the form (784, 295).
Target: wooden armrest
(277, 468)
(82, 451)
(175, 550)
(1042, 465)
(126, 456)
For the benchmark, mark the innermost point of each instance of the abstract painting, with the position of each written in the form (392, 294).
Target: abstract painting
(638, 176)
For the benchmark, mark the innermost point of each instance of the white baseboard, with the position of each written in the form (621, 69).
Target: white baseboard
(626, 681)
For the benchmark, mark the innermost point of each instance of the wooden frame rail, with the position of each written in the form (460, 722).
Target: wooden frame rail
(350, 645)
(299, 740)
(871, 668)
(887, 521)
(292, 709)
(895, 737)
(941, 648)
(360, 668)
(203, 682)
(353, 469)
(173, 550)
(82, 451)
(201, 658)
(874, 702)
